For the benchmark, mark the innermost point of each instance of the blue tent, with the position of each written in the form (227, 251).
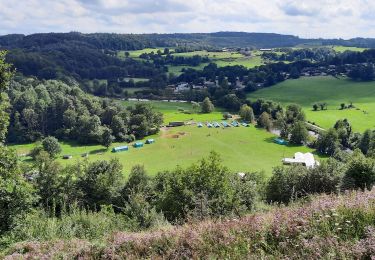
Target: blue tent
(120, 149)
(280, 141)
(150, 141)
(138, 145)
(225, 124)
(245, 124)
(209, 125)
(216, 124)
(235, 124)
(200, 125)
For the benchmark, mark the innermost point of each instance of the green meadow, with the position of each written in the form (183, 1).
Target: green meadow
(346, 48)
(242, 149)
(310, 90)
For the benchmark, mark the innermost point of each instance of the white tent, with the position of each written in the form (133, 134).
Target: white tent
(305, 159)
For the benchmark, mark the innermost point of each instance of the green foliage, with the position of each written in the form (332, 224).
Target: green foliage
(100, 182)
(205, 188)
(207, 106)
(247, 113)
(51, 146)
(289, 183)
(360, 172)
(73, 222)
(299, 133)
(5, 75)
(294, 113)
(16, 194)
(265, 121)
(107, 137)
(327, 142)
(64, 111)
(367, 141)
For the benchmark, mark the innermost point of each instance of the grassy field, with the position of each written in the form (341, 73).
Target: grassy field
(135, 54)
(137, 79)
(172, 111)
(177, 70)
(345, 48)
(307, 91)
(242, 149)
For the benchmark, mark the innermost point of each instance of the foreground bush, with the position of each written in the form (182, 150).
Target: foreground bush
(338, 227)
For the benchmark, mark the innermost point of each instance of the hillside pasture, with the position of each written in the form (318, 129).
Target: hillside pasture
(242, 149)
(338, 48)
(176, 111)
(309, 90)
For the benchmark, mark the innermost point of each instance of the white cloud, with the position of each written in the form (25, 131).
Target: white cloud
(305, 18)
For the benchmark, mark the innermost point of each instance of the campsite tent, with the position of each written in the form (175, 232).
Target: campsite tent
(209, 125)
(200, 125)
(150, 141)
(305, 159)
(280, 141)
(225, 124)
(119, 149)
(138, 145)
(235, 124)
(216, 124)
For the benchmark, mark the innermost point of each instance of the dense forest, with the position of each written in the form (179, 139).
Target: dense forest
(43, 108)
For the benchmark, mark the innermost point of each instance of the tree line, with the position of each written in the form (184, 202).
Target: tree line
(53, 108)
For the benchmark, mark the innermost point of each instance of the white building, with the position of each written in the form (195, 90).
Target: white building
(182, 87)
(305, 159)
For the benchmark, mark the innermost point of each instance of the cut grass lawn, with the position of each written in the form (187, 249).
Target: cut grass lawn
(242, 149)
(310, 90)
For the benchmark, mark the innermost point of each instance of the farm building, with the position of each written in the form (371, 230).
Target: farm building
(120, 149)
(305, 159)
(150, 141)
(138, 145)
(176, 123)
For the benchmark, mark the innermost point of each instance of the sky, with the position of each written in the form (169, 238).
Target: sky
(304, 18)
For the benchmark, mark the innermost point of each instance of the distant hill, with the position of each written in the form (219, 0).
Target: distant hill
(112, 41)
(94, 56)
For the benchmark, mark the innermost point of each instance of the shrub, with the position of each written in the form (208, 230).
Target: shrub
(51, 145)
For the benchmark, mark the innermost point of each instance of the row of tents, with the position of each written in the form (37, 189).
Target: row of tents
(224, 124)
(135, 145)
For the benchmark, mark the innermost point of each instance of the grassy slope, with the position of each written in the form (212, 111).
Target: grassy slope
(345, 48)
(307, 91)
(326, 227)
(242, 149)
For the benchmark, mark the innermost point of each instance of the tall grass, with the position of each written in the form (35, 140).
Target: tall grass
(325, 227)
